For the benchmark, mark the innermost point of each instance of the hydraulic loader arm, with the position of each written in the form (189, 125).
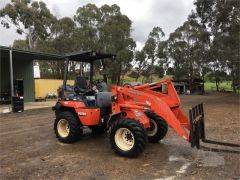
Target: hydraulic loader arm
(133, 98)
(162, 98)
(165, 91)
(195, 123)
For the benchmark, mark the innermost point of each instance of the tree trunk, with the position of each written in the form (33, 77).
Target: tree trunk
(217, 85)
(137, 78)
(119, 74)
(203, 90)
(151, 70)
(104, 72)
(105, 78)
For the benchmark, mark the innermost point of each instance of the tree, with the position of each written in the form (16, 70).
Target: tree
(61, 40)
(188, 47)
(20, 44)
(141, 63)
(216, 76)
(151, 48)
(30, 18)
(163, 55)
(223, 21)
(106, 29)
(87, 19)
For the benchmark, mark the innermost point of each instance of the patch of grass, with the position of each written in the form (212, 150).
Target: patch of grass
(223, 86)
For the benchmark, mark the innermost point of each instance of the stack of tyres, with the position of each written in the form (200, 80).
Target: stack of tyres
(18, 104)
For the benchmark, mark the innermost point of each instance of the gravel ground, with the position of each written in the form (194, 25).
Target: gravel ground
(29, 149)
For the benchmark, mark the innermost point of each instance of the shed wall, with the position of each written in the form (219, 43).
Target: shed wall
(5, 76)
(24, 70)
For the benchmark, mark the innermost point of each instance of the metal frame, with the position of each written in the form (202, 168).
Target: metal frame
(197, 128)
(11, 72)
(66, 62)
(76, 57)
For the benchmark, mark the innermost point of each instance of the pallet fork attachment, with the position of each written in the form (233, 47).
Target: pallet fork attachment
(197, 128)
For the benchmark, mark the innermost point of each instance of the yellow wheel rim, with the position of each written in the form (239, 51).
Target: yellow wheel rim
(63, 128)
(124, 139)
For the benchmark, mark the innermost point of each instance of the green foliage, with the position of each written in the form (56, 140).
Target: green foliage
(30, 18)
(223, 21)
(140, 63)
(159, 71)
(223, 86)
(205, 46)
(151, 50)
(106, 29)
(20, 44)
(188, 48)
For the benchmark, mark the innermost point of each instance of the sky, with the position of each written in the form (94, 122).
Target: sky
(144, 14)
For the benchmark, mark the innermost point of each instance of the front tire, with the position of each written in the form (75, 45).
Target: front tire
(158, 128)
(128, 137)
(67, 127)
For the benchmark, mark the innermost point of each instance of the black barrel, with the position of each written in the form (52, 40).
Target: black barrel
(17, 104)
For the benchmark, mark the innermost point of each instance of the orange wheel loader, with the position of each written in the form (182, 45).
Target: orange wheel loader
(133, 116)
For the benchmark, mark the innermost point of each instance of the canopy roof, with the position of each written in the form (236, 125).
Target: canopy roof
(87, 56)
(81, 56)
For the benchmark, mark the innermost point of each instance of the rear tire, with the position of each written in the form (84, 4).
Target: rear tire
(128, 137)
(158, 128)
(67, 127)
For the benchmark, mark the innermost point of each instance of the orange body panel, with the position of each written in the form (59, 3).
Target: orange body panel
(87, 116)
(73, 104)
(137, 115)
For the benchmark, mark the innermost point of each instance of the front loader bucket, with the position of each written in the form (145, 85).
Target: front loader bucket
(197, 128)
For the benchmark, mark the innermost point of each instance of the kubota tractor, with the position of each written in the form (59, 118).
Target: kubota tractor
(132, 115)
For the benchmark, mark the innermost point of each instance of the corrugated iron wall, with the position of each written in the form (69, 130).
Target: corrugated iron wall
(5, 76)
(45, 86)
(21, 70)
(24, 70)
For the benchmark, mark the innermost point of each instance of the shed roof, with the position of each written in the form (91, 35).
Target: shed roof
(82, 56)
(20, 54)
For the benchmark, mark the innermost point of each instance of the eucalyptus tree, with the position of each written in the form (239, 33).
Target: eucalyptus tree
(31, 18)
(151, 49)
(141, 63)
(106, 29)
(222, 19)
(188, 46)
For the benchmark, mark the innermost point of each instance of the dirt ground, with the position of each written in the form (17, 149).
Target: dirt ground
(29, 149)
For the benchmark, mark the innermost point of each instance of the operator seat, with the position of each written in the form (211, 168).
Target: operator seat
(82, 91)
(81, 86)
(81, 82)
(104, 102)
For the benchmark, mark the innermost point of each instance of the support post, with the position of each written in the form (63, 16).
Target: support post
(11, 73)
(65, 77)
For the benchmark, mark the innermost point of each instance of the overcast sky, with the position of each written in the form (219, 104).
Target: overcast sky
(145, 14)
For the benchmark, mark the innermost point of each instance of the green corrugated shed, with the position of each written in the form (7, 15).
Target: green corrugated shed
(5, 75)
(24, 70)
